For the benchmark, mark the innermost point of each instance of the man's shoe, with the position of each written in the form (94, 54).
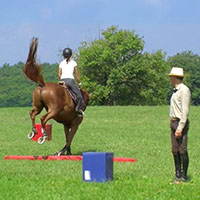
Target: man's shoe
(178, 176)
(177, 179)
(184, 178)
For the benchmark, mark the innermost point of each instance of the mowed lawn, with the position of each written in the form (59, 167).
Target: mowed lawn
(128, 131)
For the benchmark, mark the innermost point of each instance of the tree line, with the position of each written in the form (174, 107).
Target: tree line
(115, 69)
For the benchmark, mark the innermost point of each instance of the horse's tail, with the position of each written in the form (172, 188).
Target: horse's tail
(32, 69)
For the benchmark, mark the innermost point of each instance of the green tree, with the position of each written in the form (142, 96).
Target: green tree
(116, 71)
(16, 89)
(142, 81)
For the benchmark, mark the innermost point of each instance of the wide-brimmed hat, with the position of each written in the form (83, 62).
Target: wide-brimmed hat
(176, 71)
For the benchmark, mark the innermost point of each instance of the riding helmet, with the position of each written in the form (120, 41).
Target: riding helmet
(67, 52)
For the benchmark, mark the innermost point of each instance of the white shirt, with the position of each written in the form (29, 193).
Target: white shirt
(67, 68)
(179, 105)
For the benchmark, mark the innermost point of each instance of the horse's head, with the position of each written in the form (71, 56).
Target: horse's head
(86, 98)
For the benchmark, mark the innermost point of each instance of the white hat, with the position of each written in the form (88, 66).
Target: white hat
(176, 71)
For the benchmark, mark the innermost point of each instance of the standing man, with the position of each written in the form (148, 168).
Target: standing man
(179, 109)
(66, 73)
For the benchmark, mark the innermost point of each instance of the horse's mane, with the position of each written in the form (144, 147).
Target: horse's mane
(32, 69)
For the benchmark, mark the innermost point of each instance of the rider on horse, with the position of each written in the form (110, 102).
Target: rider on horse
(66, 70)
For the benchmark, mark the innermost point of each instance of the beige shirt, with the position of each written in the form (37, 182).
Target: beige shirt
(179, 105)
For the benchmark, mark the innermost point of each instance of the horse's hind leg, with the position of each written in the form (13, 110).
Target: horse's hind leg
(34, 111)
(49, 115)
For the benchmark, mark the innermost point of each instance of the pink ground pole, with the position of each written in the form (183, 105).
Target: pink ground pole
(73, 158)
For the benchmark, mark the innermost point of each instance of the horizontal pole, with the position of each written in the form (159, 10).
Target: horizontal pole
(73, 158)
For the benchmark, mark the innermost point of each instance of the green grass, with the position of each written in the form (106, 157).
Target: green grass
(139, 132)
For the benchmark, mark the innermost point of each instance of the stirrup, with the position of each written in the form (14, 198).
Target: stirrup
(80, 113)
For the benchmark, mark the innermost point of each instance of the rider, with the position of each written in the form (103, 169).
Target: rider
(66, 70)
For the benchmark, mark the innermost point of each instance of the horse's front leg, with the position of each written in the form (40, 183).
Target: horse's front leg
(70, 137)
(67, 138)
(69, 134)
(65, 150)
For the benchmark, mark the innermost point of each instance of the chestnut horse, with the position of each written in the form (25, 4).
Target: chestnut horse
(55, 99)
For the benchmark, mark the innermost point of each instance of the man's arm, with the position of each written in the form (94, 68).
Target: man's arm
(185, 101)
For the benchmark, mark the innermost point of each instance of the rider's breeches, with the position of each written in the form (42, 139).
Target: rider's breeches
(72, 85)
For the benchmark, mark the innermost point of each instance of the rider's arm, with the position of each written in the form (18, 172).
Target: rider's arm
(59, 73)
(77, 75)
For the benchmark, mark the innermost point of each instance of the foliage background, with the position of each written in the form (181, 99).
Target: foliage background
(115, 69)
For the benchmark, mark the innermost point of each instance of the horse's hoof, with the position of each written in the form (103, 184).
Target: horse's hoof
(31, 135)
(41, 140)
(60, 154)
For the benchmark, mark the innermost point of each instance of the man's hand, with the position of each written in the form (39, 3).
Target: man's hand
(178, 134)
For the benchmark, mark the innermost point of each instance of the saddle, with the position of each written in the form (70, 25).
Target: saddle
(71, 93)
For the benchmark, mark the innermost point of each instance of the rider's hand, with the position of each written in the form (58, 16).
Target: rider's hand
(80, 85)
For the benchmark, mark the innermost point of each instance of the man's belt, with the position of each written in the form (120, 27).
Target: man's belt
(175, 119)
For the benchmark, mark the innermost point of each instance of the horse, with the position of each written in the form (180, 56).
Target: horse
(55, 99)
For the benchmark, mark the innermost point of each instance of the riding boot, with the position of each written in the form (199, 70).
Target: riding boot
(185, 160)
(177, 163)
(79, 108)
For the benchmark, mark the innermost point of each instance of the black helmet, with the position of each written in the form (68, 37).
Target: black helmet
(67, 52)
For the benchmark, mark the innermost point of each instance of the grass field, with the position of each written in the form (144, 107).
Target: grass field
(138, 132)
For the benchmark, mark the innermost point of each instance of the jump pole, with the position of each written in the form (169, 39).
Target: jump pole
(72, 158)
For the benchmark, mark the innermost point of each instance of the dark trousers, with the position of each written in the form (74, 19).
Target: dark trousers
(179, 145)
(71, 84)
(179, 149)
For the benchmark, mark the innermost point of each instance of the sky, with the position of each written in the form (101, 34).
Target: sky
(170, 25)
